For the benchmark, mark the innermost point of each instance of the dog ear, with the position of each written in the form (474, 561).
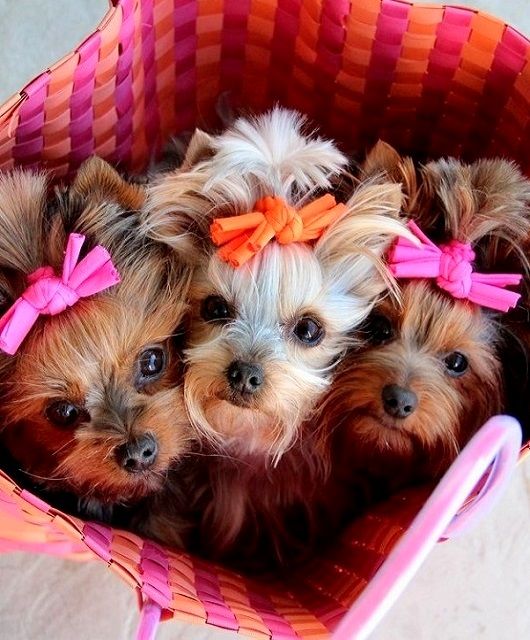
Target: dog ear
(352, 250)
(101, 205)
(382, 159)
(502, 195)
(384, 163)
(97, 180)
(276, 150)
(176, 213)
(25, 241)
(486, 203)
(199, 148)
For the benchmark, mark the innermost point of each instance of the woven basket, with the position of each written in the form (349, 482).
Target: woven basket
(429, 80)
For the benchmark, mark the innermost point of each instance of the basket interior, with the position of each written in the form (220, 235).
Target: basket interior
(430, 80)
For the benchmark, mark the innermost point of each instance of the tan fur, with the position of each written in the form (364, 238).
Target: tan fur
(96, 180)
(199, 148)
(486, 204)
(344, 266)
(382, 159)
(89, 353)
(427, 327)
(262, 463)
(89, 356)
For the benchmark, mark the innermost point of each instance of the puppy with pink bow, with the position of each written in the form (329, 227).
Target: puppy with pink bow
(430, 373)
(91, 404)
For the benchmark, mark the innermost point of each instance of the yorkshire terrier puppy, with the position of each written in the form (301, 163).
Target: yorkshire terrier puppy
(91, 400)
(430, 373)
(269, 317)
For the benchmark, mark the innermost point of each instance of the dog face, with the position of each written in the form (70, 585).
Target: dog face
(415, 394)
(427, 377)
(92, 401)
(262, 344)
(265, 336)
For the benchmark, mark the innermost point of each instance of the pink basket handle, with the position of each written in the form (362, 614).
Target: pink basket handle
(494, 449)
(149, 620)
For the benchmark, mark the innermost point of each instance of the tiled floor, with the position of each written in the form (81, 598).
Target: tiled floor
(469, 589)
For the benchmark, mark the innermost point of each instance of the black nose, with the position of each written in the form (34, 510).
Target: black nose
(398, 401)
(245, 377)
(138, 454)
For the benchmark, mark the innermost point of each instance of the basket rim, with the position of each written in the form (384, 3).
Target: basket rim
(10, 105)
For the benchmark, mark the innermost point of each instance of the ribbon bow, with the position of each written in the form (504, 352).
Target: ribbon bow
(48, 294)
(243, 236)
(451, 266)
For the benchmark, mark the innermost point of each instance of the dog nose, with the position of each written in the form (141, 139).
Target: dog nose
(138, 454)
(398, 401)
(245, 377)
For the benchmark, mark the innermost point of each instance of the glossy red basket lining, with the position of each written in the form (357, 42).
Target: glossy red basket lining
(431, 80)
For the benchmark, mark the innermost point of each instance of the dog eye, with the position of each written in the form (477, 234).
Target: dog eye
(379, 329)
(309, 331)
(215, 308)
(151, 363)
(456, 364)
(65, 414)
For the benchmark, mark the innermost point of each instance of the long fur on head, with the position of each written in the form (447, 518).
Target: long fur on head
(267, 296)
(477, 203)
(336, 283)
(89, 355)
(485, 203)
(23, 228)
(22, 220)
(352, 250)
(276, 153)
(226, 174)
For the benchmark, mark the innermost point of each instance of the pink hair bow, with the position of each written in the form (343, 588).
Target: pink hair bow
(451, 266)
(48, 294)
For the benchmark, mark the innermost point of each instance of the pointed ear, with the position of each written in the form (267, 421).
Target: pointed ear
(177, 214)
(97, 180)
(199, 148)
(381, 159)
(25, 241)
(384, 163)
(501, 189)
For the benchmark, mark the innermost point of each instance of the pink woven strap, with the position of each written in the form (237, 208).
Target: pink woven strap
(149, 620)
(493, 449)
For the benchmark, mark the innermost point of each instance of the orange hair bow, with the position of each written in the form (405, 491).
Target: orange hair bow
(242, 237)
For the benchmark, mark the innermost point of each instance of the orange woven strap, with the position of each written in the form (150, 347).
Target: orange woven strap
(243, 236)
